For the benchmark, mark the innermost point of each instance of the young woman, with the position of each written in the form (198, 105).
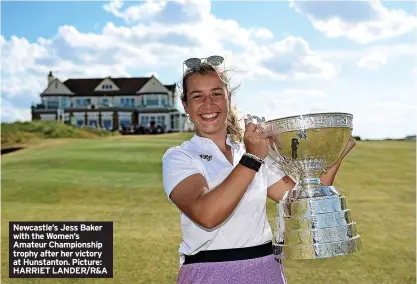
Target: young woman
(220, 186)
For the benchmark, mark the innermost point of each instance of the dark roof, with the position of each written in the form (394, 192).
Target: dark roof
(83, 87)
(171, 87)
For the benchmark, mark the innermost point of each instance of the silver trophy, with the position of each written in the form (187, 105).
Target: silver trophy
(313, 220)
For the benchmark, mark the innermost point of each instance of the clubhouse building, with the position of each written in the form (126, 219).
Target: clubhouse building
(138, 105)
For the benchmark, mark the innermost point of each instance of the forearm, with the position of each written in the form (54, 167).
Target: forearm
(328, 177)
(218, 204)
(277, 191)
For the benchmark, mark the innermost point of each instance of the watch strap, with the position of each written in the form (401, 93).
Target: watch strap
(250, 162)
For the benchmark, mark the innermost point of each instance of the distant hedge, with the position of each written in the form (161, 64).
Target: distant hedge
(23, 132)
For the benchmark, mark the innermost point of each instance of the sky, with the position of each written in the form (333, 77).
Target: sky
(286, 57)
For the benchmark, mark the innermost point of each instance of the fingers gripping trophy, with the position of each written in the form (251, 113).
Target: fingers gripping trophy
(313, 220)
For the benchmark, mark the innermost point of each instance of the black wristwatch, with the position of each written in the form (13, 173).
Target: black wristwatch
(250, 161)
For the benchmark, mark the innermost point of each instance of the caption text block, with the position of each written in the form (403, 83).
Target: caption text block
(61, 249)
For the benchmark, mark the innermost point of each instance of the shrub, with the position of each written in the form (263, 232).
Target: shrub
(23, 132)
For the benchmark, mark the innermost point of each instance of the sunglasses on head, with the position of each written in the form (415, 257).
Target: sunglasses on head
(214, 60)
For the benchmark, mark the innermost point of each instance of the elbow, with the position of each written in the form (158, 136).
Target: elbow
(209, 225)
(326, 181)
(208, 222)
(205, 220)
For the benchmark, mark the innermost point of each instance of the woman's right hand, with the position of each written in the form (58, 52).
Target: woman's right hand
(255, 139)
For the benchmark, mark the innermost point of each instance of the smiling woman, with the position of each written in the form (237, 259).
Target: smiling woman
(220, 182)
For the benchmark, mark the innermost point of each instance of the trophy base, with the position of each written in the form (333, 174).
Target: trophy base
(326, 220)
(315, 227)
(317, 251)
(313, 236)
(312, 206)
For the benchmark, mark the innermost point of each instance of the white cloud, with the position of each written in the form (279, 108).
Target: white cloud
(282, 103)
(360, 21)
(292, 57)
(413, 72)
(262, 33)
(16, 86)
(373, 57)
(18, 54)
(172, 11)
(372, 61)
(135, 13)
(393, 51)
(305, 92)
(394, 116)
(113, 7)
(9, 112)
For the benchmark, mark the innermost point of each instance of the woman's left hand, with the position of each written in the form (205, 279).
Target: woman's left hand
(328, 177)
(349, 146)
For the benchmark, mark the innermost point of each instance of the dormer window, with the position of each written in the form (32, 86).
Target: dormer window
(107, 87)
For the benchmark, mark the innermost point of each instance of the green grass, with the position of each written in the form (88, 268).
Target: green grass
(119, 179)
(21, 133)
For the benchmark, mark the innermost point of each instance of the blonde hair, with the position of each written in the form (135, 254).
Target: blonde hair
(233, 126)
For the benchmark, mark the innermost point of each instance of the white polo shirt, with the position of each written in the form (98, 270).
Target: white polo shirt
(248, 225)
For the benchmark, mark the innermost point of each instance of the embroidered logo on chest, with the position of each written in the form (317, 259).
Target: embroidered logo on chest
(206, 157)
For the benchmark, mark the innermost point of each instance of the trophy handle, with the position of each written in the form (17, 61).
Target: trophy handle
(258, 119)
(274, 149)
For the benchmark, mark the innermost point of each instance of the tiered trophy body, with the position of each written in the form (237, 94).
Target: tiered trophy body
(313, 220)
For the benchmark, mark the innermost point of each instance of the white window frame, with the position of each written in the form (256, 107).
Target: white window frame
(107, 116)
(149, 115)
(123, 115)
(79, 116)
(92, 116)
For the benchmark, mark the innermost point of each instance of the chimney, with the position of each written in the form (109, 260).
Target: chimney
(50, 77)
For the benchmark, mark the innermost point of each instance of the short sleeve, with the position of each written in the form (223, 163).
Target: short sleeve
(176, 166)
(274, 173)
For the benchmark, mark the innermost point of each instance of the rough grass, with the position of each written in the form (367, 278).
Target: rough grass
(21, 133)
(119, 179)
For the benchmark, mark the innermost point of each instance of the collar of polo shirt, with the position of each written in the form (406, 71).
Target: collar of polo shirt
(207, 141)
